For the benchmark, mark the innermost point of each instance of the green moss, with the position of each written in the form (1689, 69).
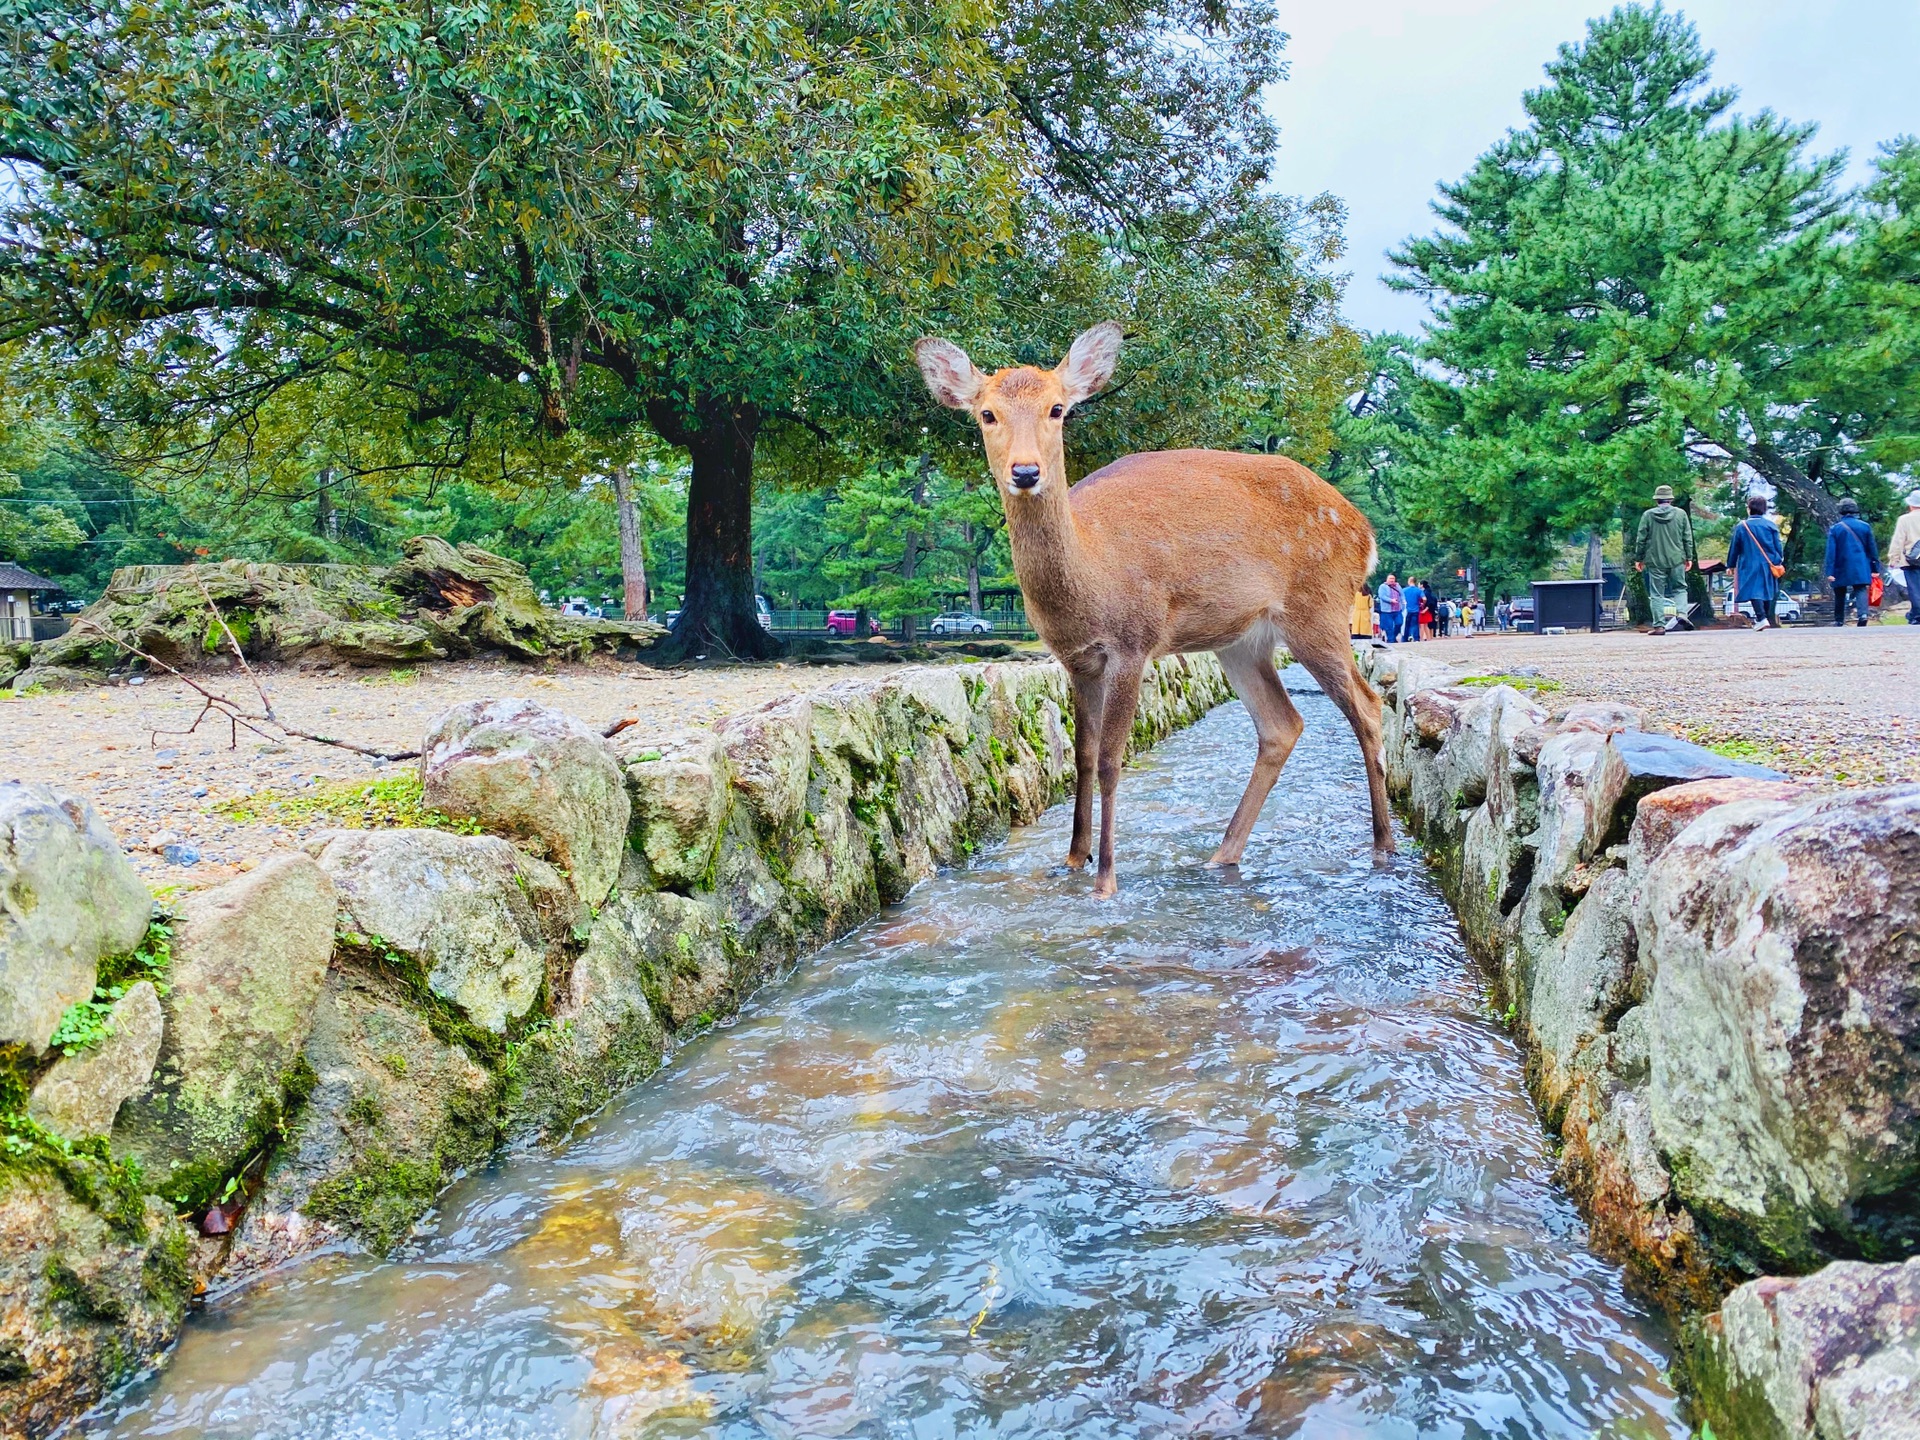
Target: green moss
(1538, 685)
(86, 1169)
(396, 803)
(443, 1018)
(85, 1023)
(379, 1200)
(86, 1296)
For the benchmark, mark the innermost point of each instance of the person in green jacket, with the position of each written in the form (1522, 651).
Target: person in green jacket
(1663, 552)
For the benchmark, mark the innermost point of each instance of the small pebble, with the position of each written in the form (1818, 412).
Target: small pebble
(199, 792)
(181, 854)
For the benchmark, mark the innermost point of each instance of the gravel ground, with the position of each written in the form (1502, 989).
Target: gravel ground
(1818, 701)
(178, 789)
(1839, 705)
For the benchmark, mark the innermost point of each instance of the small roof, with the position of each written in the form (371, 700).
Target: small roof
(14, 577)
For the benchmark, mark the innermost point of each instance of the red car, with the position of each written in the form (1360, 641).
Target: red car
(844, 622)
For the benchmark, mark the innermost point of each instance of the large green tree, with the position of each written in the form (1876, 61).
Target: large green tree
(1641, 284)
(526, 218)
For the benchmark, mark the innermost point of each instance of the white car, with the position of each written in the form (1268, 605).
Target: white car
(959, 622)
(1786, 609)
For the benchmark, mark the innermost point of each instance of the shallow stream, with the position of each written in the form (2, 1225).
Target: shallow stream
(1237, 1154)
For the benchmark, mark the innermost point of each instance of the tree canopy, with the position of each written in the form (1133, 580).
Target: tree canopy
(504, 239)
(1642, 285)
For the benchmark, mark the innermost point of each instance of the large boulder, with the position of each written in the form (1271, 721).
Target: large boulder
(68, 899)
(249, 958)
(1636, 764)
(606, 1033)
(81, 1094)
(1566, 768)
(457, 907)
(86, 1298)
(1833, 1356)
(1663, 814)
(1578, 986)
(395, 1113)
(522, 769)
(1784, 1016)
(679, 784)
(769, 752)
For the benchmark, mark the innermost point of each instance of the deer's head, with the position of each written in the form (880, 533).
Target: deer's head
(1020, 410)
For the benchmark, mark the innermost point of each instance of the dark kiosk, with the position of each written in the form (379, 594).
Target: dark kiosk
(1574, 604)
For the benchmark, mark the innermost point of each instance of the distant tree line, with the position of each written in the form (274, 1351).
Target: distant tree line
(1643, 286)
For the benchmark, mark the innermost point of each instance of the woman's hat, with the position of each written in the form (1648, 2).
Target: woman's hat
(1665, 492)
(1914, 499)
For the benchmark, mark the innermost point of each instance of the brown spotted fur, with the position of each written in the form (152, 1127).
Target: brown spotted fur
(1169, 552)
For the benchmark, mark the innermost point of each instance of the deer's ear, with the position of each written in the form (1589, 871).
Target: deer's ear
(948, 372)
(1089, 364)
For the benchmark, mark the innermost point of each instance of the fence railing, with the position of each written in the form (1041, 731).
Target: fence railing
(1003, 625)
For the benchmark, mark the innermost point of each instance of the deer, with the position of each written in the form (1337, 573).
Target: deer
(1168, 552)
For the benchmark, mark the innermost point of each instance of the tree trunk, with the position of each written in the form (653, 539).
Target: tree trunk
(324, 523)
(633, 560)
(718, 618)
(973, 568)
(1596, 557)
(910, 552)
(1809, 496)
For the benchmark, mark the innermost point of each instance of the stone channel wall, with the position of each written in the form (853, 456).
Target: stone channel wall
(308, 1055)
(1715, 976)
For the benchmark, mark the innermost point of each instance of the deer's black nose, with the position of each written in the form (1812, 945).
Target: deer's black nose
(1025, 477)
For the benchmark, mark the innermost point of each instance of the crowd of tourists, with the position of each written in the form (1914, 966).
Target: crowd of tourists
(1663, 554)
(1416, 610)
(1756, 563)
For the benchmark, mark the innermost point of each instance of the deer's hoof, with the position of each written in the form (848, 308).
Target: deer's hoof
(1105, 887)
(1221, 860)
(1077, 862)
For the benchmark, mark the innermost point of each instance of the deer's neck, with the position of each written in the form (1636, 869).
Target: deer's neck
(1049, 556)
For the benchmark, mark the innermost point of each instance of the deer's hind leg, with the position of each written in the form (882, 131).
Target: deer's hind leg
(1249, 666)
(1333, 665)
(1116, 728)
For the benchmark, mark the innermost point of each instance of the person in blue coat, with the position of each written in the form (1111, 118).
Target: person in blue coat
(1751, 556)
(1852, 558)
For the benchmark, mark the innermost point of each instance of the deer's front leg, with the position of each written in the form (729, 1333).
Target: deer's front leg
(1089, 699)
(1123, 698)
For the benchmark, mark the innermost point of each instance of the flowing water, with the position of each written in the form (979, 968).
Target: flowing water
(1238, 1153)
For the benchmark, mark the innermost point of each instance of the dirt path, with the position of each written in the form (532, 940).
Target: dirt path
(1820, 701)
(183, 789)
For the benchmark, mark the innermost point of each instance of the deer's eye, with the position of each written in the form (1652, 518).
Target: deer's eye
(986, 417)
(1056, 412)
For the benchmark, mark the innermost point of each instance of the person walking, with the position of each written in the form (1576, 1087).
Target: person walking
(1903, 550)
(1663, 553)
(1852, 558)
(1360, 616)
(1416, 599)
(1503, 613)
(1757, 560)
(1393, 604)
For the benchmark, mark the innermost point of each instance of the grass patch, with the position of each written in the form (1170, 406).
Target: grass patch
(391, 804)
(1537, 684)
(86, 1023)
(398, 675)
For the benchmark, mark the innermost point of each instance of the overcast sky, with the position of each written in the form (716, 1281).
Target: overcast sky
(1387, 97)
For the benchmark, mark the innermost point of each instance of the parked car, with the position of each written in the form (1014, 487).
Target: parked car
(578, 608)
(960, 622)
(842, 622)
(1786, 609)
(1523, 612)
